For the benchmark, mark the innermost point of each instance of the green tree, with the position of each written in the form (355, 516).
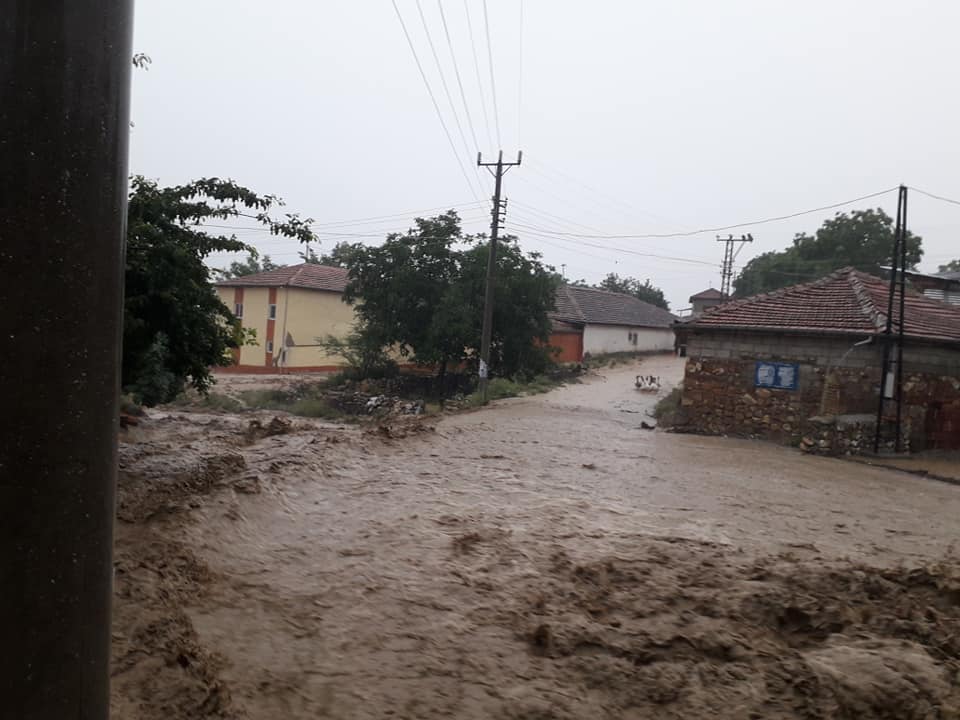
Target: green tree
(175, 326)
(422, 293)
(645, 290)
(251, 266)
(952, 266)
(862, 239)
(339, 256)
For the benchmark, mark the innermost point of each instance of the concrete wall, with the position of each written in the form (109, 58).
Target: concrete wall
(835, 378)
(303, 316)
(700, 305)
(600, 339)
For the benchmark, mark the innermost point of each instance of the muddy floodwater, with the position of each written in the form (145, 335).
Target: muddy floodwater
(546, 557)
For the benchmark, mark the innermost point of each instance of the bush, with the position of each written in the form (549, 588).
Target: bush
(500, 388)
(365, 356)
(669, 410)
(153, 382)
(303, 399)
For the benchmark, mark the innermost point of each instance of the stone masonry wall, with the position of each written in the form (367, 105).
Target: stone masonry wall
(835, 379)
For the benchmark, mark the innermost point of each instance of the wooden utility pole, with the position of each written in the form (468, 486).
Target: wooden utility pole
(65, 114)
(726, 273)
(499, 170)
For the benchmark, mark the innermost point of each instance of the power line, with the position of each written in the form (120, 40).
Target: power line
(476, 66)
(538, 232)
(446, 89)
(935, 197)
(555, 218)
(520, 79)
(409, 213)
(640, 236)
(493, 82)
(433, 99)
(610, 199)
(456, 71)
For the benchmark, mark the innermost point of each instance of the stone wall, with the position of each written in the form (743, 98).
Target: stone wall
(836, 378)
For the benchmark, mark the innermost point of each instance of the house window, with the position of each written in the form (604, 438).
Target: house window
(238, 310)
(269, 346)
(272, 312)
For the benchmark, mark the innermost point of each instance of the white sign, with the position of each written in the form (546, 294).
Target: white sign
(483, 370)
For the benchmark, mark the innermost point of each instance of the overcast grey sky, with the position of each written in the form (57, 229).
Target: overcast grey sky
(634, 117)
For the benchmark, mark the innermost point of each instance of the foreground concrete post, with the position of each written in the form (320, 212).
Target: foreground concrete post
(64, 126)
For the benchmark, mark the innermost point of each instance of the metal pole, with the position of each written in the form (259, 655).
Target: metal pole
(902, 323)
(888, 328)
(487, 331)
(64, 126)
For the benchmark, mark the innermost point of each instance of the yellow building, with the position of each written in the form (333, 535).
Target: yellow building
(292, 309)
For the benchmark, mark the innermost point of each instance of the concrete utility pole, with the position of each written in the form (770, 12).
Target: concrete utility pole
(726, 273)
(500, 170)
(891, 373)
(64, 126)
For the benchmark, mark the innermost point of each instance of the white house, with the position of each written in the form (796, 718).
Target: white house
(608, 322)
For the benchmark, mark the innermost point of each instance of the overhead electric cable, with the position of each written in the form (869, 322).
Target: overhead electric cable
(476, 67)
(456, 72)
(493, 82)
(640, 236)
(433, 99)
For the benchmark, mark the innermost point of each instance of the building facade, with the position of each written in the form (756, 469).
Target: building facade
(803, 366)
(607, 322)
(292, 310)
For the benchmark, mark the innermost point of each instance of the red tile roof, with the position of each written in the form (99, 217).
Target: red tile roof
(599, 307)
(309, 276)
(847, 301)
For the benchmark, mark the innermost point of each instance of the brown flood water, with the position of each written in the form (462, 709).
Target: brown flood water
(543, 558)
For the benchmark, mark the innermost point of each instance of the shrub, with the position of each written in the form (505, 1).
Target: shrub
(669, 410)
(303, 399)
(365, 356)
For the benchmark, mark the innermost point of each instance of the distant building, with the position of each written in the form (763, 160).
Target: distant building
(291, 309)
(705, 300)
(802, 365)
(943, 286)
(587, 320)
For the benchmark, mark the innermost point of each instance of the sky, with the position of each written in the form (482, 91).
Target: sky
(634, 118)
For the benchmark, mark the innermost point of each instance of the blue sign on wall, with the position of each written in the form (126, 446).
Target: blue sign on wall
(780, 376)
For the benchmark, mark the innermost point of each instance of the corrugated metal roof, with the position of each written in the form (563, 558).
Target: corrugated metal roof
(309, 276)
(600, 307)
(847, 301)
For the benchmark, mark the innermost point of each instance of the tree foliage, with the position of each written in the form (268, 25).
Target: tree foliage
(175, 326)
(952, 266)
(339, 256)
(422, 293)
(862, 239)
(251, 266)
(646, 291)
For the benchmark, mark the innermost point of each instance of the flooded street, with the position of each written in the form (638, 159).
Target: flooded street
(546, 557)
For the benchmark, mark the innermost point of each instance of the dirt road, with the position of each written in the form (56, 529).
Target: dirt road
(543, 558)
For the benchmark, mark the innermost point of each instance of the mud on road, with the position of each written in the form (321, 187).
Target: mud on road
(543, 558)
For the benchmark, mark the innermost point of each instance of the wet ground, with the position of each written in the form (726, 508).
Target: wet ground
(543, 558)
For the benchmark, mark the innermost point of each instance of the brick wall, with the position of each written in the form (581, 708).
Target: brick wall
(835, 378)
